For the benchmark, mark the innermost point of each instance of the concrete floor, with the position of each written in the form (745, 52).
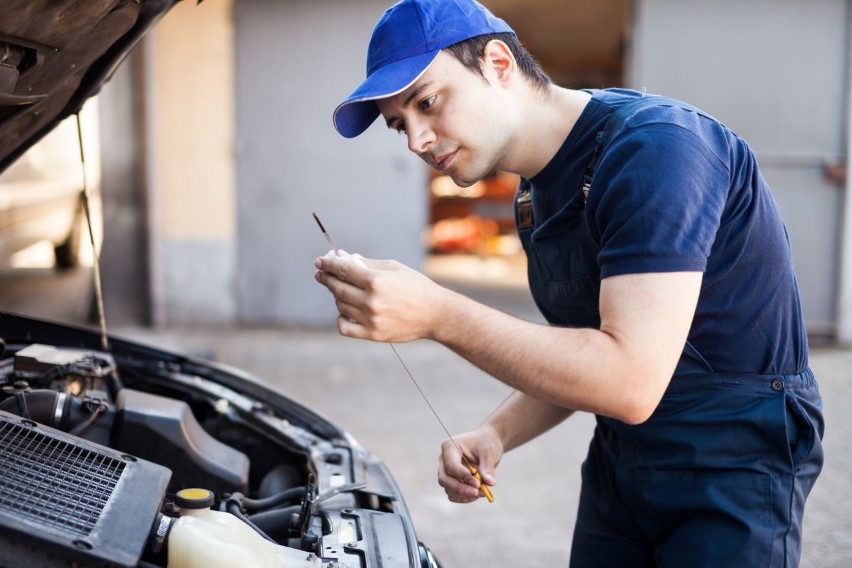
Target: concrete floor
(362, 387)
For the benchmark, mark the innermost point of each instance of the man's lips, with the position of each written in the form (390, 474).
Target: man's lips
(441, 163)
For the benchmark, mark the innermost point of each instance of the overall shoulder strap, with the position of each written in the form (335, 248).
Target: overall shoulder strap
(616, 122)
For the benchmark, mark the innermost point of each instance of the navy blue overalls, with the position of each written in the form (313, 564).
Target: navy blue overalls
(719, 474)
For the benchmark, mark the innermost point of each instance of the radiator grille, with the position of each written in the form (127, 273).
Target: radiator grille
(52, 482)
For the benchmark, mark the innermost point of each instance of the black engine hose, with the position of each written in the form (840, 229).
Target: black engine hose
(234, 509)
(277, 522)
(281, 477)
(43, 406)
(286, 496)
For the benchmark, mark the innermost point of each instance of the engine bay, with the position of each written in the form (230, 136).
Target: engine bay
(295, 482)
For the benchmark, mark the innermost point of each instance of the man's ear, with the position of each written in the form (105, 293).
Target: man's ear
(498, 59)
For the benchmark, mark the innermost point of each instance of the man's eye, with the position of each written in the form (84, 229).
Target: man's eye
(400, 128)
(427, 102)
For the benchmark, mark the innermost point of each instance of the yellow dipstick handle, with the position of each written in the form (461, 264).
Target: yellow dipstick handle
(482, 486)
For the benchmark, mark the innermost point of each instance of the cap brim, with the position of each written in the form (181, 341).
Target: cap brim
(354, 115)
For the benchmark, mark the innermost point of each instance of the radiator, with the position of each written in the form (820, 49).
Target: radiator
(65, 501)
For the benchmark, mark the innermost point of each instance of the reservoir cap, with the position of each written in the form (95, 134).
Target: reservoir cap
(194, 498)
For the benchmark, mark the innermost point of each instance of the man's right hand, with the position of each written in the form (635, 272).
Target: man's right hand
(483, 450)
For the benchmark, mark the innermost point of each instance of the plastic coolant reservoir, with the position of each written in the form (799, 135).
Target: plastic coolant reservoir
(203, 538)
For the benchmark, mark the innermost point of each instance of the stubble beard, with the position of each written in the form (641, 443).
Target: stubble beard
(467, 170)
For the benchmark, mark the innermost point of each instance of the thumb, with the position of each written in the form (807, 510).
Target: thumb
(487, 475)
(486, 472)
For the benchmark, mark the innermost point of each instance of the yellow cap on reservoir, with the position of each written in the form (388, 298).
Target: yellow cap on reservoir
(194, 498)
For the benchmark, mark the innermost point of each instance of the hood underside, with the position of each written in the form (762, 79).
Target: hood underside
(55, 54)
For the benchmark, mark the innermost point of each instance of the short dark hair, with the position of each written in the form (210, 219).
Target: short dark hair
(469, 53)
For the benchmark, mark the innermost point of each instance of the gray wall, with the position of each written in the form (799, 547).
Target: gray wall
(124, 252)
(296, 59)
(776, 72)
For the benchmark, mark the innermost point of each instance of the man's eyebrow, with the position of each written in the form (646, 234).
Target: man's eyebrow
(411, 96)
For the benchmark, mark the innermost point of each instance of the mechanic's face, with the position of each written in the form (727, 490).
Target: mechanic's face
(453, 120)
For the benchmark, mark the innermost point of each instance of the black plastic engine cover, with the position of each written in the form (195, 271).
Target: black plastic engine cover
(166, 432)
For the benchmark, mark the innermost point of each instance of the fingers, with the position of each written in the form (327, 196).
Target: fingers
(347, 298)
(457, 490)
(342, 266)
(460, 485)
(344, 277)
(383, 297)
(350, 281)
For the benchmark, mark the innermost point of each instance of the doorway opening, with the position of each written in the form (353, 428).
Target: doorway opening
(471, 238)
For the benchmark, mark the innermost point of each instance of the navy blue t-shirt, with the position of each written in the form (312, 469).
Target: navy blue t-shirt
(676, 190)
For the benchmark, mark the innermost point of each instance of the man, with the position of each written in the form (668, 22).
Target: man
(659, 258)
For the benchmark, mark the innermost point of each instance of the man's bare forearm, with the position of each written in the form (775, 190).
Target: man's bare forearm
(620, 370)
(541, 361)
(520, 418)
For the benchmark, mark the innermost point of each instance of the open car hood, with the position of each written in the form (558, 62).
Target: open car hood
(55, 54)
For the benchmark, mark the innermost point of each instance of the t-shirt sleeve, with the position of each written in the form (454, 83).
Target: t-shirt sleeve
(656, 200)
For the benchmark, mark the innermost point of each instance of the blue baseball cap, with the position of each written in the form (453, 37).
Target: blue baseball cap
(405, 42)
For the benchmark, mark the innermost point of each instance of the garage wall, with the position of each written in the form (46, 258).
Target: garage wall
(239, 151)
(124, 252)
(295, 61)
(188, 94)
(845, 294)
(777, 72)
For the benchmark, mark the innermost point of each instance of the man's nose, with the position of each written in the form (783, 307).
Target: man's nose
(420, 137)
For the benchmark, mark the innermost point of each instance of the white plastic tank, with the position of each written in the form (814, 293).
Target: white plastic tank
(204, 538)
